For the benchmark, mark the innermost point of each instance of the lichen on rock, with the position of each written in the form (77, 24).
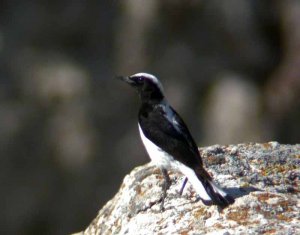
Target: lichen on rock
(263, 178)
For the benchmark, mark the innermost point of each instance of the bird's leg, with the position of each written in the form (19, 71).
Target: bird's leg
(166, 186)
(183, 186)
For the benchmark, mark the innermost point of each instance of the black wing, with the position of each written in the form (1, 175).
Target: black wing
(166, 129)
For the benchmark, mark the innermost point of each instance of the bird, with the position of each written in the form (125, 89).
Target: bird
(169, 142)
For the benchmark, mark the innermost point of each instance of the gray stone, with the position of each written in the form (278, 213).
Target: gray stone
(263, 178)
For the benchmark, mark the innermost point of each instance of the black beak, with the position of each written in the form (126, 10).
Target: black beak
(126, 79)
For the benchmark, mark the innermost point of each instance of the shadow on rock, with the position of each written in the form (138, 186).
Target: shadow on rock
(236, 192)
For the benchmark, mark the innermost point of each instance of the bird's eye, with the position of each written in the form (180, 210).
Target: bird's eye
(140, 79)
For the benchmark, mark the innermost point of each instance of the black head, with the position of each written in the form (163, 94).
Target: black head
(147, 85)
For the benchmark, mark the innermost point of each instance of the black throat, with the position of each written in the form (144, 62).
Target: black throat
(151, 96)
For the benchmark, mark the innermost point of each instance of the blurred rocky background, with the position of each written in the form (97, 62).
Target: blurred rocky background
(68, 129)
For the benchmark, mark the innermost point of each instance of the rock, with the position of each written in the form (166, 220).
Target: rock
(263, 178)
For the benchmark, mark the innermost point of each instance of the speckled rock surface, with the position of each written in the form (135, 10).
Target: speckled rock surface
(263, 178)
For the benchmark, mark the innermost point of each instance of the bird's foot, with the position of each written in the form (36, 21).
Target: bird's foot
(166, 186)
(183, 186)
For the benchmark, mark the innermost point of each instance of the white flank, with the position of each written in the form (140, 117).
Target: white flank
(159, 157)
(165, 160)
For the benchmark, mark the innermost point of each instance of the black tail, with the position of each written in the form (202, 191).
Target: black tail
(217, 195)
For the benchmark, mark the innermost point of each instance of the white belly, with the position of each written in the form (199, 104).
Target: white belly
(156, 154)
(162, 159)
